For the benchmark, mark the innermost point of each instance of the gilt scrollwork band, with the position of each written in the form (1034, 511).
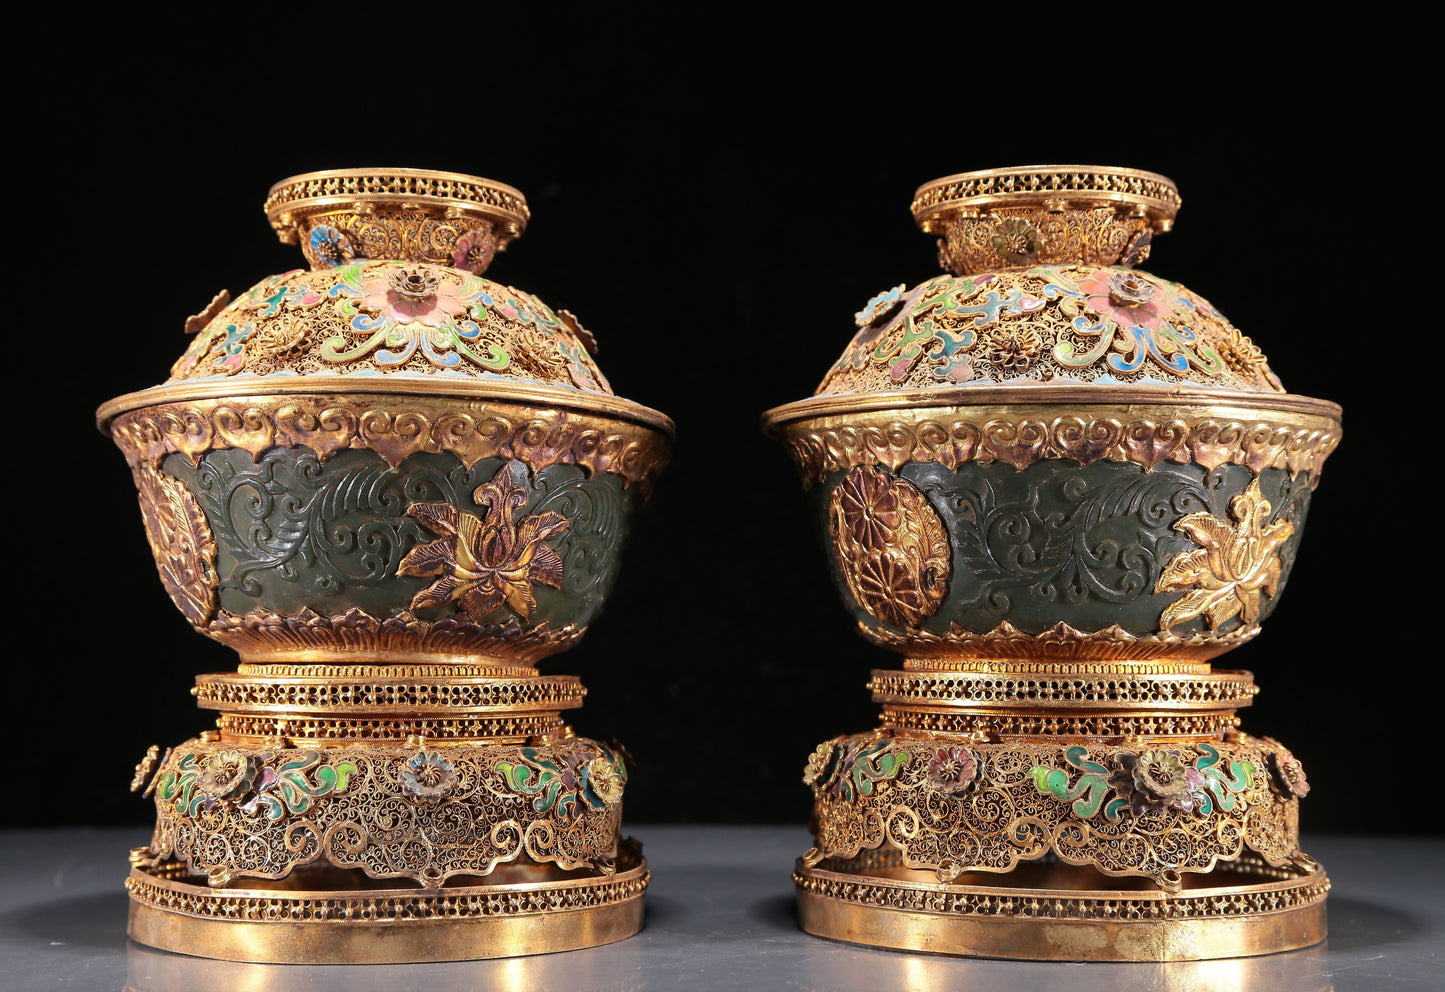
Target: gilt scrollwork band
(395, 427)
(956, 435)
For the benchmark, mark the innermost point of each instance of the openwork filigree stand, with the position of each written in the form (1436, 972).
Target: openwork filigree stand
(397, 813)
(393, 486)
(1059, 487)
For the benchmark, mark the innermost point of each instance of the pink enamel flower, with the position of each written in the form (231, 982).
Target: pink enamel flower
(952, 770)
(1128, 298)
(413, 296)
(475, 249)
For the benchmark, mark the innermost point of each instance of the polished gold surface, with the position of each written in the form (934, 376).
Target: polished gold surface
(1059, 914)
(391, 926)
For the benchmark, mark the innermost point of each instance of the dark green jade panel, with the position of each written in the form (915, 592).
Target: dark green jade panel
(429, 537)
(1089, 545)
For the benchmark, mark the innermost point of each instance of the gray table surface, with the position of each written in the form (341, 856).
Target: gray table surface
(719, 916)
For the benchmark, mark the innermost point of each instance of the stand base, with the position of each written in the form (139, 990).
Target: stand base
(1056, 912)
(385, 925)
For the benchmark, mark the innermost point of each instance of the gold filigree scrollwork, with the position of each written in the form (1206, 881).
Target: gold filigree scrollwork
(1023, 236)
(230, 811)
(1154, 813)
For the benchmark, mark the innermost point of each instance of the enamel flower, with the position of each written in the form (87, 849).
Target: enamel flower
(1016, 242)
(951, 770)
(1128, 299)
(226, 774)
(413, 294)
(1287, 774)
(329, 247)
(428, 775)
(1157, 778)
(604, 781)
(475, 249)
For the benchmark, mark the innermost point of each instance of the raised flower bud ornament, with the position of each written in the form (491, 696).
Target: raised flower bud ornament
(393, 486)
(1058, 486)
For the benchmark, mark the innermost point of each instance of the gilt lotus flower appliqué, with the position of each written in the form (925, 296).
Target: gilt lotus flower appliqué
(485, 562)
(1234, 564)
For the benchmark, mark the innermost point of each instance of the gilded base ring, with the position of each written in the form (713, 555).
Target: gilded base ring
(386, 926)
(1021, 916)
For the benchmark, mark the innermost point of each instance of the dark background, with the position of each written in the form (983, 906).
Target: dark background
(714, 205)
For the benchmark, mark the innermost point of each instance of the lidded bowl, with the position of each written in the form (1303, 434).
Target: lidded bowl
(389, 452)
(1046, 452)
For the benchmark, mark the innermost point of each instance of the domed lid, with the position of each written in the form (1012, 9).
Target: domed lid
(1040, 290)
(394, 301)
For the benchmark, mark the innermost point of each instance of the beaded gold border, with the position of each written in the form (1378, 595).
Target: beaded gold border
(304, 728)
(386, 696)
(1005, 689)
(385, 926)
(315, 192)
(909, 720)
(866, 903)
(1155, 195)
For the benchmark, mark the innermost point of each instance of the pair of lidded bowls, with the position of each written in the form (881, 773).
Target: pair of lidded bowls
(1043, 453)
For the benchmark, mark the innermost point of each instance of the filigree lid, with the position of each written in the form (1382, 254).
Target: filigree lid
(394, 301)
(1040, 290)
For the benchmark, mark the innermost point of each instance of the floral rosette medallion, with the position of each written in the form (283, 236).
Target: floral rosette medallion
(1058, 486)
(393, 485)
